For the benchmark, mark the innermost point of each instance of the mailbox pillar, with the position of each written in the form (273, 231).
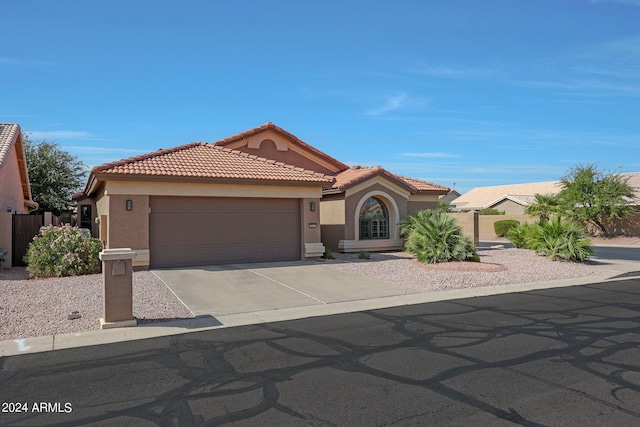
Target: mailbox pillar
(117, 295)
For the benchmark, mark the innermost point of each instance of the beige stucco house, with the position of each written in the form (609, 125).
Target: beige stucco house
(260, 195)
(512, 198)
(15, 191)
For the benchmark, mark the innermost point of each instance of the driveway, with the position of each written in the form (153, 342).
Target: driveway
(243, 288)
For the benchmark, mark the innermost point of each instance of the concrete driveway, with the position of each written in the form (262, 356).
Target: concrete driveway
(243, 288)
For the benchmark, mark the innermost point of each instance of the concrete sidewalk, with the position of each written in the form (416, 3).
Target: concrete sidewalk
(222, 320)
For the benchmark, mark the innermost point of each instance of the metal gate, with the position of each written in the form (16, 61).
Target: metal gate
(25, 228)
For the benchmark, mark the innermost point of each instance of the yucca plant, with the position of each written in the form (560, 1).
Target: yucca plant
(433, 236)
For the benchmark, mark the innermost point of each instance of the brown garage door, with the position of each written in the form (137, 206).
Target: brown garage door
(188, 231)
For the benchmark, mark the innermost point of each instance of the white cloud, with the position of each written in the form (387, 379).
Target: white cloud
(61, 134)
(630, 2)
(101, 150)
(449, 72)
(392, 103)
(431, 155)
(15, 61)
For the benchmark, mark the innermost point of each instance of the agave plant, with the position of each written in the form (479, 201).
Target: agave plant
(433, 236)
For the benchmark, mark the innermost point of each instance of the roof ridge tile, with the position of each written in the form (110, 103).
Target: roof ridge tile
(152, 155)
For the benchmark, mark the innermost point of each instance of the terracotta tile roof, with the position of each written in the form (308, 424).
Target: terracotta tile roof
(356, 174)
(271, 126)
(8, 136)
(202, 160)
(421, 185)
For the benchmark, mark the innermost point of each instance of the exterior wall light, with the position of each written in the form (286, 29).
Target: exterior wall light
(129, 204)
(312, 206)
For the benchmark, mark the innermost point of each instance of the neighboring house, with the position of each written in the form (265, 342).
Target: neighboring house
(451, 196)
(15, 191)
(633, 179)
(260, 195)
(513, 199)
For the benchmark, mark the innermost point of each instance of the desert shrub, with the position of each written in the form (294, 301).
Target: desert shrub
(557, 239)
(433, 236)
(502, 227)
(62, 251)
(562, 240)
(521, 234)
(328, 254)
(490, 211)
(364, 255)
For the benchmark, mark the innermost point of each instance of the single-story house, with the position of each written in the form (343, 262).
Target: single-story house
(633, 179)
(512, 199)
(15, 191)
(260, 195)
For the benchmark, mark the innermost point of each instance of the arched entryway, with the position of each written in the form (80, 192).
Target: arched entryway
(373, 219)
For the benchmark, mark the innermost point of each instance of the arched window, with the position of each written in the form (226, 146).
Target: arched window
(374, 219)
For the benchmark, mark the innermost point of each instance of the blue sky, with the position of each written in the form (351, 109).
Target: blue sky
(470, 92)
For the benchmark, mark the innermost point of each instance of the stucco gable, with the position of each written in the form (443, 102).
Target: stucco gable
(356, 175)
(13, 165)
(273, 142)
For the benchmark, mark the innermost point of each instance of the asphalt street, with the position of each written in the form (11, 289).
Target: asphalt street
(557, 357)
(602, 252)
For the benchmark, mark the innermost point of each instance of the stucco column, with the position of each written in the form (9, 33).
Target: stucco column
(312, 242)
(117, 280)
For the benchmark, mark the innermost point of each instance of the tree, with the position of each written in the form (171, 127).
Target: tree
(54, 175)
(596, 196)
(546, 205)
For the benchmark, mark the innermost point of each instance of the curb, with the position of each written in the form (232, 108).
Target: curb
(204, 323)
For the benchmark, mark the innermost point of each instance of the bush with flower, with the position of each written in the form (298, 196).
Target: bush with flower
(63, 251)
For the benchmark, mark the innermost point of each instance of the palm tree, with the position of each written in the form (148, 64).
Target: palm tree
(545, 206)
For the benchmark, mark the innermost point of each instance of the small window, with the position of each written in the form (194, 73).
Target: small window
(374, 220)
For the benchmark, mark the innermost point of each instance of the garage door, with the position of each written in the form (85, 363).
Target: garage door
(185, 231)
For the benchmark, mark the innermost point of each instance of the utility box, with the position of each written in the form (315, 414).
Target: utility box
(117, 292)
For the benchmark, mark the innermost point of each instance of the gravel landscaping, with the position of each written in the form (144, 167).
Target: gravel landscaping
(496, 267)
(30, 308)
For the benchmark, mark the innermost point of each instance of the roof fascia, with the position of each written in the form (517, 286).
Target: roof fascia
(104, 177)
(23, 170)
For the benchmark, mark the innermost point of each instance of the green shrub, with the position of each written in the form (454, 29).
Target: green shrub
(364, 255)
(62, 251)
(502, 227)
(521, 234)
(328, 254)
(433, 236)
(490, 211)
(558, 239)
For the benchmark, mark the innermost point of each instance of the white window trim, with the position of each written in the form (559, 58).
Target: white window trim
(392, 209)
